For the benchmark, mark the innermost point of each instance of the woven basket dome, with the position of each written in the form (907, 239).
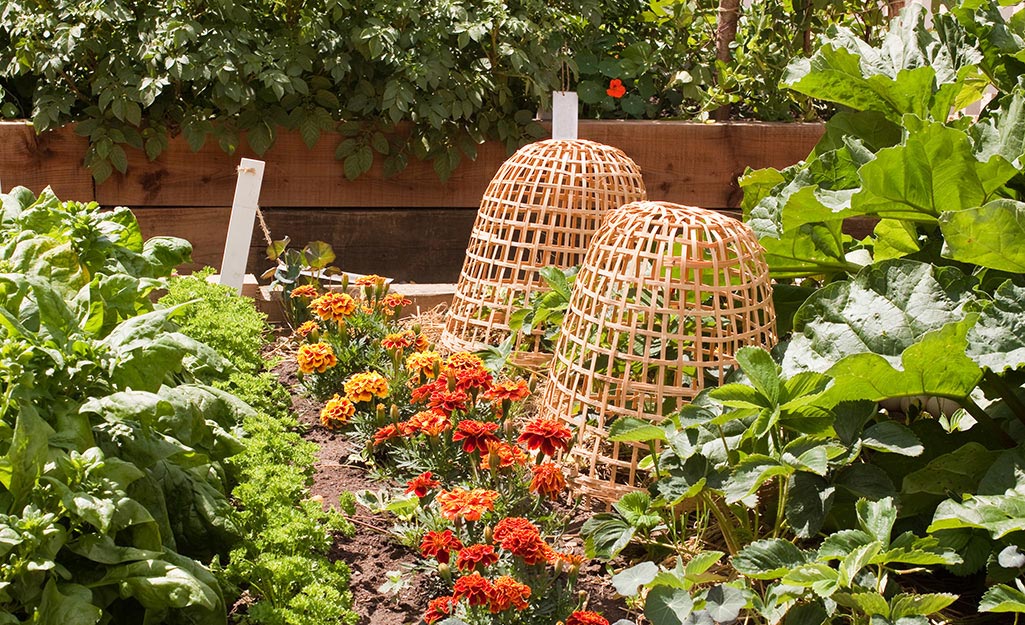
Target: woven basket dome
(666, 295)
(540, 210)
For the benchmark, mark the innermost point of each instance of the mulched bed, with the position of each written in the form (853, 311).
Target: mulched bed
(372, 552)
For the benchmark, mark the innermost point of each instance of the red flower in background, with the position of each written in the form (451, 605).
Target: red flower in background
(548, 480)
(386, 433)
(474, 588)
(475, 435)
(439, 608)
(439, 545)
(476, 556)
(616, 88)
(586, 618)
(547, 435)
(508, 389)
(511, 525)
(506, 592)
(448, 402)
(422, 483)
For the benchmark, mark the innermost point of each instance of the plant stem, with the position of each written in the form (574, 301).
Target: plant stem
(780, 507)
(1007, 393)
(654, 457)
(724, 523)
(987, 421)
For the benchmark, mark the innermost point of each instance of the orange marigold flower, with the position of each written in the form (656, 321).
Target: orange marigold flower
(466, 504)
(440, 545)
(395, 300)
(474, 588)
(438, 609)
(506, 592)
(513, 525)
(420, 343)
(333, 306)
(572, 560)
(475, 435)
(424, 392)
(548, 435)
(429, 422)
(399, 340)
(529, 546)
(307, 291)
(422, 363)
(467, 379)
(366, 386)
(548, 480)
(307, 328)
(422, 483)
(464, 360)
(385, 434)
(369, 280)
(616, 88)
(336, 412)
(476, 556)
(317, 357)
(449, 401)
(507, 390)
(581, 617)
(502, 455)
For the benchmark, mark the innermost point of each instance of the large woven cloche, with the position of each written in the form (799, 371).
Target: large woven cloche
(540, 210)
(664, 298)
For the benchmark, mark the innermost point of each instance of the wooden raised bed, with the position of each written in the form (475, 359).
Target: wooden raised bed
(411, 226)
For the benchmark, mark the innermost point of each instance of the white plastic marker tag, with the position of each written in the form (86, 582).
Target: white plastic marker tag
(240, 226)
(564, 115)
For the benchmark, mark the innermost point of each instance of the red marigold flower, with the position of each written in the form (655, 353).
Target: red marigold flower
(386, 433)
(548, 480)
(317, 357)
(528, 546)
(439, 608)
(439, 545)
(507, 390)
(448, 401)
(506, 592)
(429, 422)
(424, 392)
(502, 455)
(365, 386)
(399, 340)
(548, 435)
(333, 306)
(476, 556)
(306, 291)
(420, 343)
(512, 525)
(474, 588)
(616, 88)
(336, 412)
(582, 617)
(475, 435)
(467, 379)
(466, 504)
(307, 328)
(422, 483)
(464, 360)
(395, 300)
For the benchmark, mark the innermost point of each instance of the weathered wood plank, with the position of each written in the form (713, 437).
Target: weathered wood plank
(205, 228)
(684, 162)
(51, 159)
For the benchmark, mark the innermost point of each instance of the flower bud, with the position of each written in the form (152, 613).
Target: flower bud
(394, 413)
(380, 413)
(445, 571)
(532, 384)
(451, 381)
(488, 533)
(559, 563)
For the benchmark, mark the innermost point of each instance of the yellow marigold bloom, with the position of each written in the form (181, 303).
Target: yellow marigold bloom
(395, 300)
(422, 363)
(307, 328)
(317, 357)
(306, 290)
(399, 340)
(333, 306)
(369, 280)
(365, 386)
(336, 412)
(464, 360)
(421, 344)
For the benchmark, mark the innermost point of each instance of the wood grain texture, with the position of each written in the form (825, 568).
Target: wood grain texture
(51, 159)
(684, 162)
(205, 228)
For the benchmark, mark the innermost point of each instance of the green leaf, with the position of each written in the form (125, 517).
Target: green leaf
(21, 467)
(1002, 598)
(630, 429)
(895, 238)
(877, 518)
(750, 474)
(668, 606)
(763, 372)
(605, 536)
(999, 515)
(158, 584)
(892, 437)
(71, 604)
(629, 581)
(358, 163)
(958, 471)
(997, 341)
(809, 500)
(635, 508)
(906, 605)
(992, 235)
(768, 559)
(837, 545)
(821, 578)
(724, 603)
(318, 254)
(871, 603)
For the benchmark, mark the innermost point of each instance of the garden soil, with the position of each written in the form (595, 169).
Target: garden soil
(373, 551)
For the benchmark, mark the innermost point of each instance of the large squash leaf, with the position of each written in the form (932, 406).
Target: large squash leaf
(997, 341)
(992, 235)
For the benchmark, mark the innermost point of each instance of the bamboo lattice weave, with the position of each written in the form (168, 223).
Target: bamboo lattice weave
(664, 298)
(541, 209)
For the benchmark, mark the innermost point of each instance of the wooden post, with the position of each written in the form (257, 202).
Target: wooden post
(725, 34)
(240, 225)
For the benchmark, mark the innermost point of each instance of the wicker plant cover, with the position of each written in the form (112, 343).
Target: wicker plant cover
(664, 298)
(541, 209)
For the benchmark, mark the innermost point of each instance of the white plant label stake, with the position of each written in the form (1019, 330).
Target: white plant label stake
(564, 115)
(240, 226)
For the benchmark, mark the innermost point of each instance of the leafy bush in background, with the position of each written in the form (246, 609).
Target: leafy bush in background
(400, 79)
